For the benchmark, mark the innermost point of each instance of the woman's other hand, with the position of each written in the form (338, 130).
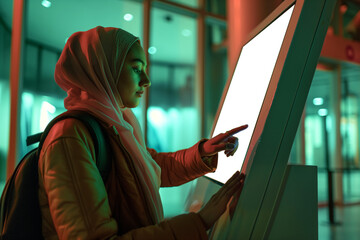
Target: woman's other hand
(224, 141)
(216, 206)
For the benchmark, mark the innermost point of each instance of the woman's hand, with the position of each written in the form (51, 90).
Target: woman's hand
(224, 141)
(216, 206)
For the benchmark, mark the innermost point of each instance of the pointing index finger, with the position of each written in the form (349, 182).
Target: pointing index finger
(223, 136)
(236, 130)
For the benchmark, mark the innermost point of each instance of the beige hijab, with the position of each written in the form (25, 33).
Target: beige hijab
(89, 70)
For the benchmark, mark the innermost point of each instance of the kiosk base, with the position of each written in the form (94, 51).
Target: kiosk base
(296, 213)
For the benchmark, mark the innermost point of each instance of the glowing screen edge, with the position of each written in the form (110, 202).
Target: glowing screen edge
(247, 91)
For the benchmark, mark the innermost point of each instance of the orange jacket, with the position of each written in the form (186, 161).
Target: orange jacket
(76, 204)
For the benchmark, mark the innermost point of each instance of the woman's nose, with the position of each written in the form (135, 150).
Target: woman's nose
(145, 81)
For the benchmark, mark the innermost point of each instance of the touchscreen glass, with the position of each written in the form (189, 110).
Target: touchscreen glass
(247, 90)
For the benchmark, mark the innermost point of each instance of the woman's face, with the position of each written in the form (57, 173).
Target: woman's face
(133, 79)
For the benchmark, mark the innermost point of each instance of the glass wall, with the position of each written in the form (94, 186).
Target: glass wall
(216, 70)
(173, 121)
(4, 130)
(316, 108)
(350, 132)
(316, 121)
(320, 132)
(5, 42)
(173, 116)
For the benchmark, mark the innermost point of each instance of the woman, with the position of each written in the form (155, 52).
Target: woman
(103, 72)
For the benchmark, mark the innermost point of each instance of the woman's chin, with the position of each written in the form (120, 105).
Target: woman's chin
(132, 104)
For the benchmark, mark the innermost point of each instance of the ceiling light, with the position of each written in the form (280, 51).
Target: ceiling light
(186, 32)
(152, 50)
(128, 17)
(46, 3)
(323, 112)
(318, 101)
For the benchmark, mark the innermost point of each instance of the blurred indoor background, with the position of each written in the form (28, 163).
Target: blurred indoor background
(191, 47)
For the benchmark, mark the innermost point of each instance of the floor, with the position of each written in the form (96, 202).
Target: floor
(346, 227)
(347, 219)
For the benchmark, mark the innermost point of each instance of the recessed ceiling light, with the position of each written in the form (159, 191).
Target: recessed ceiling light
(152, 50)
(128, 17)
(46, 3)
(318, 101)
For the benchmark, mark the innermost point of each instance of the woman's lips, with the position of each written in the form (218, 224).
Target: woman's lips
(139, 93)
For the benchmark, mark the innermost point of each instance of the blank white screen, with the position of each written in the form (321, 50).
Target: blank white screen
(247, 90)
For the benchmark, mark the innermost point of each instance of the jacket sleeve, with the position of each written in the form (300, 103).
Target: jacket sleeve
(78, 200)
(182, 166)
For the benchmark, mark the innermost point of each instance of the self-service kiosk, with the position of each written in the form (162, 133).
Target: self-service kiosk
(267, 91)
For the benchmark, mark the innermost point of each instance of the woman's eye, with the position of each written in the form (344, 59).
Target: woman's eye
(137, 70)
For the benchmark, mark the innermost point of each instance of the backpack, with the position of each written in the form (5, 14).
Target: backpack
(20, 215)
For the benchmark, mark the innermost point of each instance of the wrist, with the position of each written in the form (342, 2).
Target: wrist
(201, 149)
(208, 160)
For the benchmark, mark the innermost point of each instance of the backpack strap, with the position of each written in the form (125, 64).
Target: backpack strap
(96, 131)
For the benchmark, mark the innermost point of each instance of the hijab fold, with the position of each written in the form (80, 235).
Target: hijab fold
(89, 71)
